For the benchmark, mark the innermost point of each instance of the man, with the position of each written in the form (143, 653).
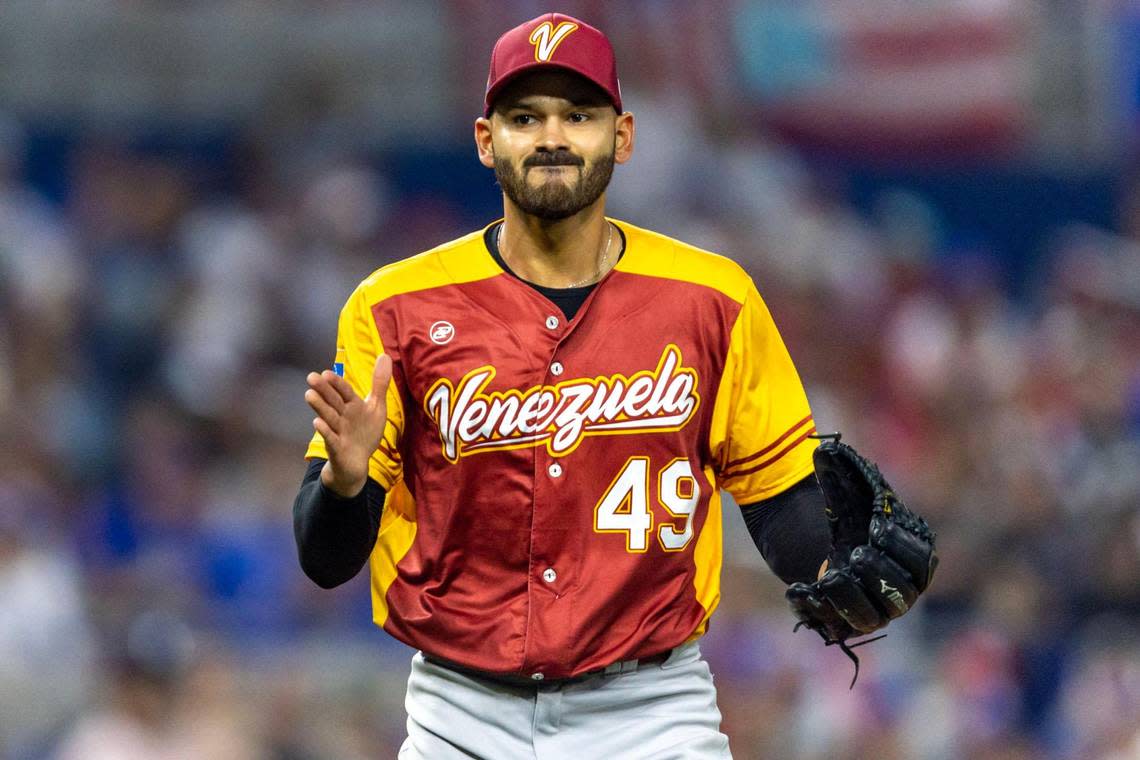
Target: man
(526, 433)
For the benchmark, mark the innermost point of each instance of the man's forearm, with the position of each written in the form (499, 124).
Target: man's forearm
(334, 535)
(791, 532)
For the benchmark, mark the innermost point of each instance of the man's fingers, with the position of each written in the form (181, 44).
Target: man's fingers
(321, 386)
(322, 427)
(341, 387)
(330, 416)
(377, 401)
(344, 392)
(381, 376)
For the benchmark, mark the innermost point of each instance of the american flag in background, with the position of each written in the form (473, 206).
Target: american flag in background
(888, 76)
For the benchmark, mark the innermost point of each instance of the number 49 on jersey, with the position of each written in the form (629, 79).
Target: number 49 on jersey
(624, 507)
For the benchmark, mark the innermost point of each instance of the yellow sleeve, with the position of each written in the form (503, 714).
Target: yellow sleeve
(761, 418)
(357, 346)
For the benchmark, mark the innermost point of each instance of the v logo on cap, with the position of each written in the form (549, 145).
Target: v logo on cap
(546, 38)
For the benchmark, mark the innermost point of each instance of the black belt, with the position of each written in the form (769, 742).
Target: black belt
(519, 680)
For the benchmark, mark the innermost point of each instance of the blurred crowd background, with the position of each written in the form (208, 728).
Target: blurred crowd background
(940, 203)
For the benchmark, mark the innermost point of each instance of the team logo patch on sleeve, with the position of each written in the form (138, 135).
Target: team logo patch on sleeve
(471, 420)
(338, 362)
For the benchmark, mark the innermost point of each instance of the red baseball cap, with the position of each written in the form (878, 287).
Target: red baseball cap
(553, 39)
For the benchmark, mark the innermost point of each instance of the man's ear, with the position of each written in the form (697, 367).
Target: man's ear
(623, 137)
(483, 143)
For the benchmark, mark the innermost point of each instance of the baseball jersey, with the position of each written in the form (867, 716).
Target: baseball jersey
(553, 486)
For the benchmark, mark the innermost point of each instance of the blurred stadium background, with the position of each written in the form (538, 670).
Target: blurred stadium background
(939, 202)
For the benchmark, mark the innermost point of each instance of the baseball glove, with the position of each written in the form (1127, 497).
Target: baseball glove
(882, 554)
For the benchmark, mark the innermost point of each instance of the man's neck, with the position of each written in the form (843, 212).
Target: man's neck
(558, 254)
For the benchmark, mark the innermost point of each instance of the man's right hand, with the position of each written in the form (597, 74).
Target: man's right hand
(351, 426)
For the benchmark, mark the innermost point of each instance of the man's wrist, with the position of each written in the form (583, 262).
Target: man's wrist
(341, 489)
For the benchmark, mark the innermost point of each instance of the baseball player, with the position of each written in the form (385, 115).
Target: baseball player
(525, 435)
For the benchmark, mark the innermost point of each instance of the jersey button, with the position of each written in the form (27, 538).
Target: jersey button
(556, 368)
(555, 470)
(552, 322)
(549, 575)
(537, 676)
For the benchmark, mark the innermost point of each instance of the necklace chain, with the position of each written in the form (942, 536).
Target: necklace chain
(597, 275)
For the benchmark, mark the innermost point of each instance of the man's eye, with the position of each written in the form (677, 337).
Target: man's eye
(523, 119)
(578, 117)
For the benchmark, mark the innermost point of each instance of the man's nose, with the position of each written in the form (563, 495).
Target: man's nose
(553, 136)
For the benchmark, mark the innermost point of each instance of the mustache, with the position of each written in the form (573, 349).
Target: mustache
(554, 158)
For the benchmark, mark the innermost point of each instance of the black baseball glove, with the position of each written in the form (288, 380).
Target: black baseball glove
(882, 554)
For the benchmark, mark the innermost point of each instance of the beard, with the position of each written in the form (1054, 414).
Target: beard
(555, 199)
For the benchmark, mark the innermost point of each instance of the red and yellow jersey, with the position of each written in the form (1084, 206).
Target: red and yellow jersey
(553, 486)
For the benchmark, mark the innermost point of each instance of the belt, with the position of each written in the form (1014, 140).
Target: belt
(519, 680)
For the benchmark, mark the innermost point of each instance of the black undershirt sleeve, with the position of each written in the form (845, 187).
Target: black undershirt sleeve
(790, 530)
(334, 535)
